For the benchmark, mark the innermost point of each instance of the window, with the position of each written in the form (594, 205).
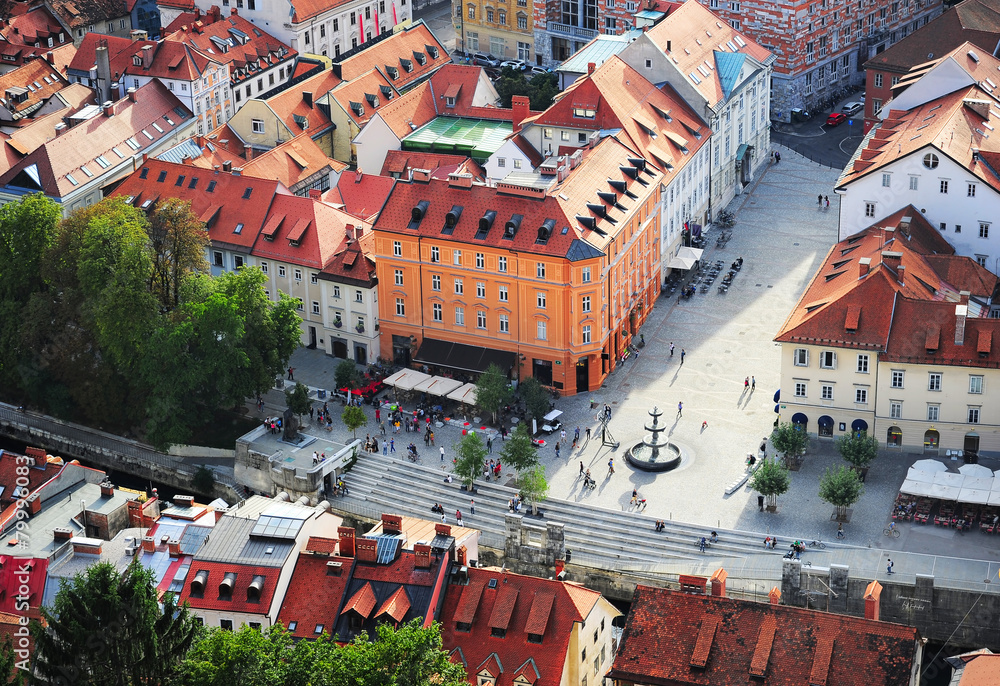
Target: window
(435, 254)
(897, 378)
(943, 226)
(238, 261)
(800, 389)
(472, 12)
(541, 330)
(585, 275)
(501, 264)
(933, 413)
(315, 307)
(481, 319)
(547, 133)
(540, 300)
(459, 316)
(984, 230)
(564, 135)
(958, 228)
(895, 409)
(878, 80)
(826, 392)
(480, 261)
(502, 294)
(913, 182)
(314, 278)
(862, 364)
(457, 257)
(436, 312)
(480, 289)
(435, 282)
(217, 258)
(800, 357)
(522, 24)
(400, 308)
(397, 249)
(263, 267)
(973, 414)
(586, 339)
(359, 297)
(459, 287)
(970, 190)
(298, 274)
(975, 384)
(398, 274)
(934, 381)
(585, 304)
(281, 270)
(298, 305)
(504, 323)
(828, 359)
(523, 49)
(540, 270)
(869, 209)
(931, 160)
(336, 292)
(501, 17)
(944, 186)
(886, 179)
(861, 396)
(226, 624)
(257, 125)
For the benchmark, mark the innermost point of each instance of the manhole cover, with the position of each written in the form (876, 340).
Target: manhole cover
(794, 243)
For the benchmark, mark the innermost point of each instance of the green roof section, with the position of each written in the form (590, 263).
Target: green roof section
(475, 138)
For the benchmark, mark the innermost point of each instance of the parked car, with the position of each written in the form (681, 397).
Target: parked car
(485, 59)
(836, 119)
(516, 65)
(540, 70)
(852, 108)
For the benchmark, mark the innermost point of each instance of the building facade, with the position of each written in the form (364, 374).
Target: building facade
(562, 27)
(504, 30)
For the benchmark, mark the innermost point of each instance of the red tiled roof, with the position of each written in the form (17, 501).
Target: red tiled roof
(521, 601)
(395, 606)
(290, 103)
(170, 60)
(416, 107)
(40, 79)
(307, 232)
(291, 162)
(36, 26)
(441, 164)
(238, 602)
(362, 602)
(775, 644)
(393, 54)
(924, 332)
(362, 97)
(228, 201)
(182, 19)
(18, 574)
(361, 195)
(534, 157)
(76, 13)
(314, 595)
(352, 263)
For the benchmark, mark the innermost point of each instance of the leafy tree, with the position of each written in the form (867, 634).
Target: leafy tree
(536, 398)
(242, 658)
(178, 242)
(10, 674)
(517, 451)
(492, 390)
(471, 456)
(345, 375)
(541, 89)
(27, 230)
(203, 480)
(770, 480)
(859, 449)
(297, 398)
(354, 418)
(789, 440)
(841, 488)
(107, 629)
(534, 486)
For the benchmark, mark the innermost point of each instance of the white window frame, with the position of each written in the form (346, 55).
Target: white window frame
(828, 359)
(934, 381)
(800, 357)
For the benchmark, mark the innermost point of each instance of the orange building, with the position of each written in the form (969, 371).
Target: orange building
(549, 274)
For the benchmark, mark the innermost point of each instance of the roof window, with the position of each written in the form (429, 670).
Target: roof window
(372, 99)
(162, 176)
(357, 108)
(211, 187)
(180, 180)
(103, 162)
(69, 177)
(247, 192)
(512, 225)
(392, 71)
(432, 51)
(386, 91)
(194, 182)
(86, 171)
(238, 229)
(144, 173)
(420, 57)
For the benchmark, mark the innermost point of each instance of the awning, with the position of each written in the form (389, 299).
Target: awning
(466, 358)
(777, 395)
(694, 253)
(825, 420)
(681, 263)
(464, 394)
(799, 418)
(437, 385)
(742, 151)
(929, 465)
(976, 470)
(406, 379)
(859, 425)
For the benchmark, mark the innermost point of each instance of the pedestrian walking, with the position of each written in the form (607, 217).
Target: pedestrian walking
(611, 466)
(671, 348)
(385, 448)
(576, 436)
(704, 425)
(392, 445)
(382, 428)
(888, 567)
(840, 531)
(458, 517)
(777, 157)
(826, 199)
(680, 409)
(489, 445)
(291, 373)
(746, 383)
(819, 199)
(588, 434)
(557, 450)
(378, 415)
(442, 453)
(562, 436)
(635, 496)
(682, 356)
(311, 410)
(472, 505)
(581, 466)
(753, 384)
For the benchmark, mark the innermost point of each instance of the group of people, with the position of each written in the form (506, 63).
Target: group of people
(317, 457)
(514, 504)
(272, 424)
(371, 444)
(492, 469)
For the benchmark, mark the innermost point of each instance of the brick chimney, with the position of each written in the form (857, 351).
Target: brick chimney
(34, 504)
(131, 94)
(591, 68)
(519, 107)
(442, 529)
(148, 544)
(392, 524)
(174, 547)
(775, 596)
(315, 193)
(366, 550)
(107, 489)
(346, 536)
(891, 259)
(214, 13)
(463, 556)
(872, 595)
(719, 583)
(901, 274)
(864, 266)
(50, 58)
(147, 56)
(61, 533)
(422, 175)
(233, 12)
(422, 556)
(459, 180)
(963, 297)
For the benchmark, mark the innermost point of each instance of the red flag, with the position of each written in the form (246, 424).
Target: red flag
(361, 26)
(376, 21)
(394, 20)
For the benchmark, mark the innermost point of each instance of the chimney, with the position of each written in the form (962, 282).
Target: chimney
(131, 94)
(50, 58)
(34, 504)
(60, 129)
(359, 231)
(359, 175)
(442, 529)
(366, 550)
(422, 556)
(961, 312)
(392, 524)
(519, 108)
(107, 489)
(184, 500)
(891, 259)
(116, 91)
(103, 62)
(61, 533)
(307, 98)
(459, 180)
(215, 13)
(963, 297)
(719, 583)
(227, 166)
(872, 594)
(249, 153)
(233, 12)
(147, 56)
(346, 536)
(315, 193)
(174, 547)
(864, 266)
(775, 596)
(422, 175)
(901, 274)
(108, 109)
(591, 68)
(148, 544)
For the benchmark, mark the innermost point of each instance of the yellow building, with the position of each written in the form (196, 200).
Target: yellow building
(503, 28)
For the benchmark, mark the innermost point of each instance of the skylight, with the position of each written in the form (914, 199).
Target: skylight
(69, 177)
(86, 171)
(118, 152)
(133, 143)
(147, 134)
(103, 162)
(157, 127)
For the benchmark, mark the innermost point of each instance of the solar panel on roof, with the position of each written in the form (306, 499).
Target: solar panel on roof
(269, 526)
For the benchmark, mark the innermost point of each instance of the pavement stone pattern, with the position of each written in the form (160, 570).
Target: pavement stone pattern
(783, 235)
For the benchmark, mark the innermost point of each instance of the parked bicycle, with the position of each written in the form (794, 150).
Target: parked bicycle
(816, 544)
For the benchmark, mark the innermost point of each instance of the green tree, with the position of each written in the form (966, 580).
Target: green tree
(841, 488)
(410, 654)
(536, 398)
(771, 480)
(106, 628)
(471, 457)
(297, 398)
(517, 451)
(10, 673)
(354, 418)
(789, 440)
(541, 89)
(492, 390)
(178, 243)
(345, 375)
(203, 480)
(859, 449)
(534, 486)
(243, 658)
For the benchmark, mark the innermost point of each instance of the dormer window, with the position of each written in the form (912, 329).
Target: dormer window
(393, 72)
(420, 57)
(357, 108)
(407, 65)
(372, 99)
(584, 113)
(497, 632)
(449, 101)
(432, 51)
(136, 61)
(386, 91)
(534, 638)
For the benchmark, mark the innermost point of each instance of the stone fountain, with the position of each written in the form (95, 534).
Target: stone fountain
(655, 453)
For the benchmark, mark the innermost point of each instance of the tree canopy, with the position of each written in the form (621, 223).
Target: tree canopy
(770, 480)
(534, 486)
(471, 456)
(841, 488)
(492, 390)
(541, 89)
(354, 418)
(859, 448)
(536, 398)
(517, 451)
(345, 375)
(789, 439)
(107, 629)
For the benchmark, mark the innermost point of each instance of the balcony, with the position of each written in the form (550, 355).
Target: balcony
(567, 31)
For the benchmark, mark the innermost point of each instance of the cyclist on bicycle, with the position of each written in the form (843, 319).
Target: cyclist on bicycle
(892, 525)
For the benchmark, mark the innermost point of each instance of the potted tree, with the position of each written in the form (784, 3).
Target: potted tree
(860, 450)
(771, 480)
(841, 488)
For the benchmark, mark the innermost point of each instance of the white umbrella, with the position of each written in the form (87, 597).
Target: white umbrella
(919, 488)
(994, 498)
(975, 496)
(438, 385)
(412, 379)
(464, 394)
(976, 470)
(391, 380)
(914, 474)
(980, 483)
(943, 492)
(949, 479)
(930, 466)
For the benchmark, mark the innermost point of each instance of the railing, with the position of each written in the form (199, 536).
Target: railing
(567, 30)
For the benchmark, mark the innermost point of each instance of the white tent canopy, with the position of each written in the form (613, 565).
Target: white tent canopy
(930, 466)
(914, 474)
(406, 379)
(437, 385)
(975, 496)
(976, 470)
(464, 394)
(685, 258)
(944, 485)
